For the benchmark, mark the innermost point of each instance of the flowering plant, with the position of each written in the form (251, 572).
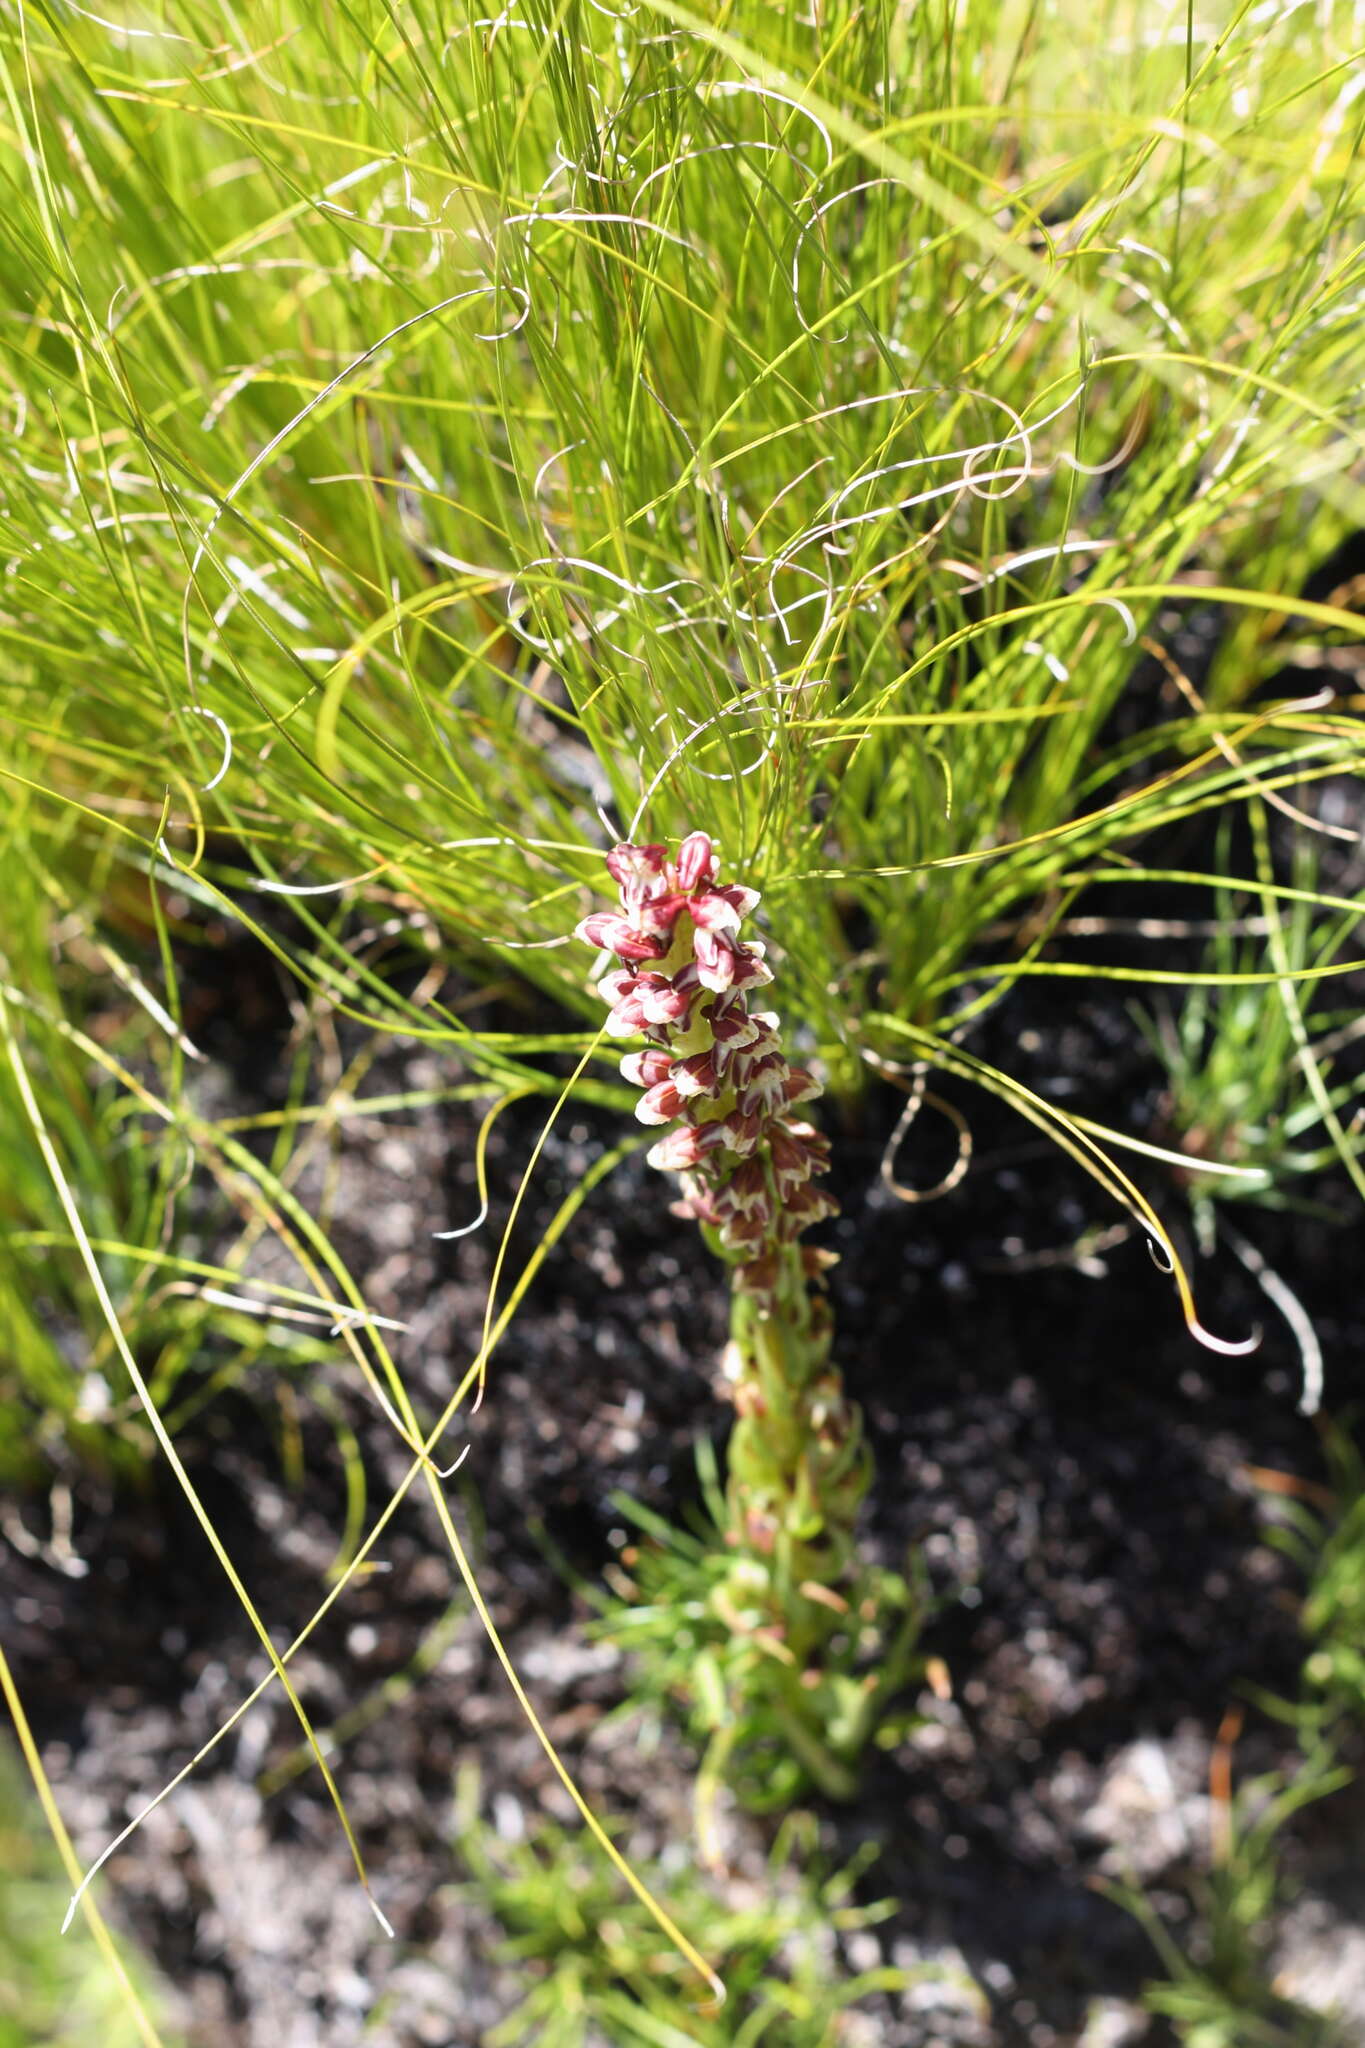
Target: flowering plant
(714, 1071)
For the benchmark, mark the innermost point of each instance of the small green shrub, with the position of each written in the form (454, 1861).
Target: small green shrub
(603, 1973)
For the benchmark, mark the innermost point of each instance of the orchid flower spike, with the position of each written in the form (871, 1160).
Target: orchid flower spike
(713, 1069)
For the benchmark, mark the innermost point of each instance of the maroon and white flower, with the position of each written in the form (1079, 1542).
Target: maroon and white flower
(746, 1235)
(643, 1000)
(763, 1083)
(660, 1104)
(647, 1069)
(731, 1025)
(721, 908)
(746, 1193)
(696, 862)
(722, 962)
(804, 1207)
(637, 866)
(685, 1146)
(618, 935)
(793, 1160)
(699, 1074)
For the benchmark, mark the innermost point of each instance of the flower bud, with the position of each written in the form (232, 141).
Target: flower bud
(686, 1146)
(715, 909)
(616, 935)
(764, 1087)
(660, 1104)
(637, 865)
(666, 1001)
(696, 862)
(731, 1025)
(697, 1075)
(646, 1069)
(746, 1191)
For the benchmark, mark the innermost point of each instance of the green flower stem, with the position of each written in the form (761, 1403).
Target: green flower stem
(798, 1652)
(799, 1467)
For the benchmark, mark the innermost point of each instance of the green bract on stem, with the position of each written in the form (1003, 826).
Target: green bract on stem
(715, 1072)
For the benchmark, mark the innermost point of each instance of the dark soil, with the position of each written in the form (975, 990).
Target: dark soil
(1074, 1468)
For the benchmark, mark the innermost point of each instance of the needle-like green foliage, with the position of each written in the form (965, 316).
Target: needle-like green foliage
(474, 420)
(1264, 1076)
(1219, 1989)
(597, 1971)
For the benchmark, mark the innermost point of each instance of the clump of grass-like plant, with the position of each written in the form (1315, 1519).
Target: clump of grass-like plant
(1321, 1529)
(1221, 1988)
(81, 1061)
(597, 1968)
(1264, 1077)
(586, 410)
